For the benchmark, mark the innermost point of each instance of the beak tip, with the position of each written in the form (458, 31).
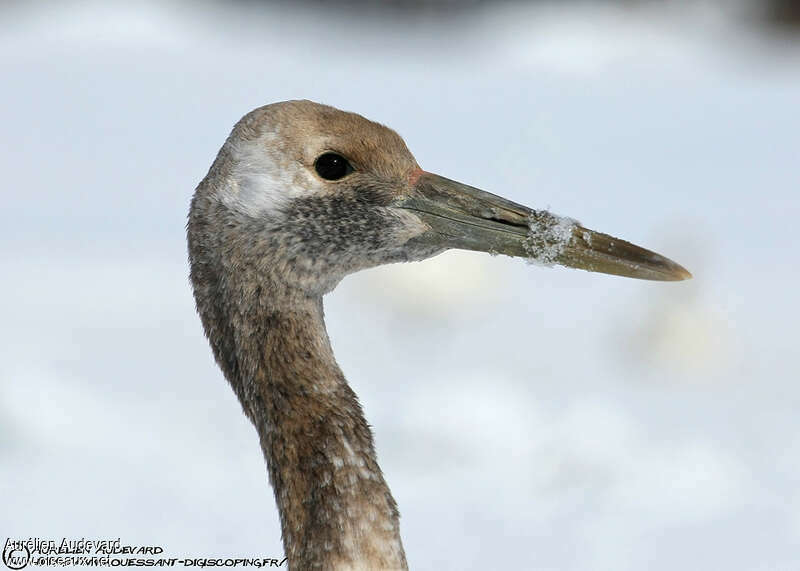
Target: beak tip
(666, 270)
(682, 274)
(671, 271)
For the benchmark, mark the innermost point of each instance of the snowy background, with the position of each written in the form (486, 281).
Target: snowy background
(525, 418)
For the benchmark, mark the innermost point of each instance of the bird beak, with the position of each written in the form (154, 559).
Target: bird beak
(464, 217)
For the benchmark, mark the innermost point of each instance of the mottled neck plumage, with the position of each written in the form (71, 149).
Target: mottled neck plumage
(336, 510)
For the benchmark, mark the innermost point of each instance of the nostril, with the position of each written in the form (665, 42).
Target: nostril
(514, 221)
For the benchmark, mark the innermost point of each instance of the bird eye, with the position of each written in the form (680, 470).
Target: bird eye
(331, 166)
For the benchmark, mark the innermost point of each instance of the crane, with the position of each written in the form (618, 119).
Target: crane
(299, 196)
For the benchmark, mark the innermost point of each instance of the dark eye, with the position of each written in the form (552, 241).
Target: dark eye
(331, 166)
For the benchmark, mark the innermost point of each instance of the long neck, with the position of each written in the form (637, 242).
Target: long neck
(336, 510)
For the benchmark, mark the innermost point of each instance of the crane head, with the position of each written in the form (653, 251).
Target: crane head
(316, 193)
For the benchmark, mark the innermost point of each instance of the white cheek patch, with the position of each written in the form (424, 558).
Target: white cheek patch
(264, 179)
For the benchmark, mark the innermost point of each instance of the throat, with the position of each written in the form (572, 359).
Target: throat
(336, 510)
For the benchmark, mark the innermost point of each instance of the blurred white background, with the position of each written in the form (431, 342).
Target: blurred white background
(525, 418)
